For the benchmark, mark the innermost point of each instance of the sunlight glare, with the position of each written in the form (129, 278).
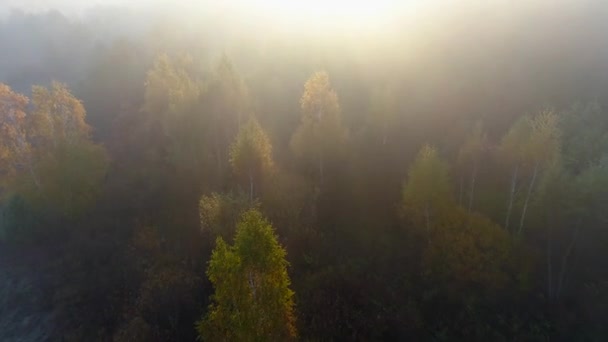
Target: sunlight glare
(328, 14)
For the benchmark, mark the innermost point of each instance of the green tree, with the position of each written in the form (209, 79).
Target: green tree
(427, 189)
(251, 155)
(252, 300)
(467, 251)
(320, 135)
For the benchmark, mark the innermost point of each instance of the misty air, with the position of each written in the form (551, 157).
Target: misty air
(321, 170)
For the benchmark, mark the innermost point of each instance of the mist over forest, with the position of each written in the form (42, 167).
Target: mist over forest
(223, 171)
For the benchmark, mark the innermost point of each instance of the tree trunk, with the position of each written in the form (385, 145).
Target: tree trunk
(528, 195)
(511, 196)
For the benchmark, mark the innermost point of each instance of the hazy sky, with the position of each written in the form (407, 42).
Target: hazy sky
(70, 6)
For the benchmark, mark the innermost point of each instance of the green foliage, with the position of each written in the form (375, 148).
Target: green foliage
(252, 299)
(468, 253)
(71, 181)
(219, 213)
(427, 188)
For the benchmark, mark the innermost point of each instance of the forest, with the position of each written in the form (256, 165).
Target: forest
(172, 174)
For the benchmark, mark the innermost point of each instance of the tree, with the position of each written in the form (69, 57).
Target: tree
(252, 300)
(228, 103)
(15, 149)
(72, 177)
(220, 212)
(251, 155)
(512, 152)
(467, 251)
(469, 157)
(57, 118)
(584, 135)
(543, 152)
(48, 150)
(171, 105)
(427, 189)
(532, 144)
(320, 135)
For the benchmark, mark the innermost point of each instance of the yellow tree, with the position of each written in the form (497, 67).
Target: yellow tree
(252, 299)
(48, 149)
(57, 118)
(171, 101)
(251, 154)
(15, 149)
(72, 167)
(320, 134)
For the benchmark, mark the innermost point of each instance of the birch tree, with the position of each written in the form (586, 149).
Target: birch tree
(320, 135)
(252, 299)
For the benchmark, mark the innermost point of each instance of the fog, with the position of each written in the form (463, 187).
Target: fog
(380, 170)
